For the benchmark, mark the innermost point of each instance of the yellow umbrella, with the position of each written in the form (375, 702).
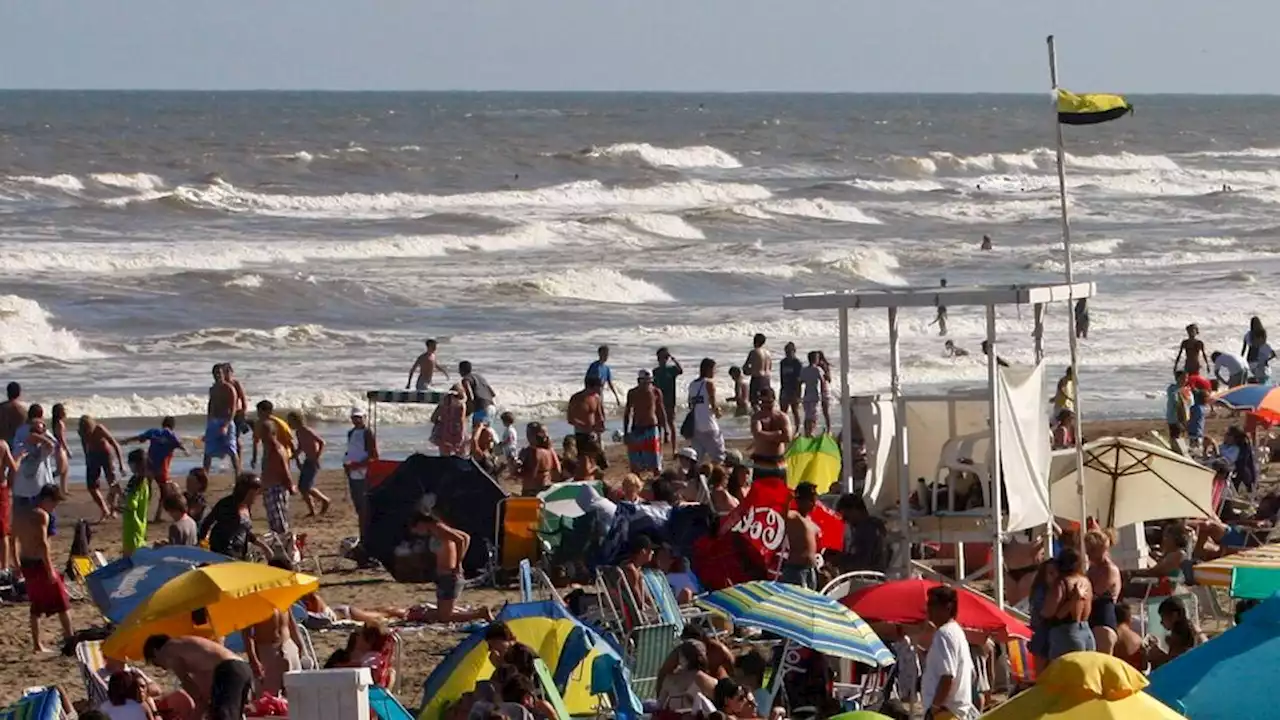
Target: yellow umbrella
(1086, 686)
(212, 602)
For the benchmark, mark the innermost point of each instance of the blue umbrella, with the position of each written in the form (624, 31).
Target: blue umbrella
(802, 616)
(121, 586)
(1232, 675)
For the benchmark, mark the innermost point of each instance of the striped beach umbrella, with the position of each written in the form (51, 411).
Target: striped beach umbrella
(1261, 400)
(801, 616)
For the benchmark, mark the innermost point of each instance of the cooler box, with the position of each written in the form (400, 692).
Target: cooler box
(338, 694)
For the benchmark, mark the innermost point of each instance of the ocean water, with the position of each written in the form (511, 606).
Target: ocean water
(314, 240)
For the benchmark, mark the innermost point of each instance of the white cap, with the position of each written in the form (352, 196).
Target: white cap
(688, 453)
(357, 412)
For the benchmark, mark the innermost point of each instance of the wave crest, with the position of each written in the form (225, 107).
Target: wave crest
(594, 285)
(693, 156)
(26, 328)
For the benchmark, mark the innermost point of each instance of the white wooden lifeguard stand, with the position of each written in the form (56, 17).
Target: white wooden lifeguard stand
(891, 299)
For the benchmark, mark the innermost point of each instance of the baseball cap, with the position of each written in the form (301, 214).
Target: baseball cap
(357, 412)
(644, 375)
(688, 453)
(733, 458)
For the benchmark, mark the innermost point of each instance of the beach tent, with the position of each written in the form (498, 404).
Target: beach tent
(121, 586)
(584, 664)
(1129, 481)
(39, 704)
(456, 489)
(1232, 675)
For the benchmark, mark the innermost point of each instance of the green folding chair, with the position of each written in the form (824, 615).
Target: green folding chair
(650, 647)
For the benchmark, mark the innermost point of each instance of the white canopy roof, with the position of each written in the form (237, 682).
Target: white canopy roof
(1129, 481)
(959, 296)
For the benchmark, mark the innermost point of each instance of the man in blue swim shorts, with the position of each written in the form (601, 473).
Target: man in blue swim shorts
(220, 436)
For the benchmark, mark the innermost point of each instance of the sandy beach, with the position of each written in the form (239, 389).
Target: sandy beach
(340, 582)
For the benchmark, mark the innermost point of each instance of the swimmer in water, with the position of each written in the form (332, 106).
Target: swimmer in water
(953, 351)
(986, 242)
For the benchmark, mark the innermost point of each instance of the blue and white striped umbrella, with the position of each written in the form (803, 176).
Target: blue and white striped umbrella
(801, 616)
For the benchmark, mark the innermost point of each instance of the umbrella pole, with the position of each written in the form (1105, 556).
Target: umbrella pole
(993, 387)
(776, 681)
(1070, 276)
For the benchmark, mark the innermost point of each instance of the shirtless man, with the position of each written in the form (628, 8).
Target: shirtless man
(45, 591)
(802, 540)
(277, 481)
(13, 413)
(770, 435)
(1104, 576)
(220, 435)
(100, 449)
(272, 645)
(426, 367)
(1193, 349)
(586, 415)
(758, 367)
(645, 424)
(242, 400)
(310, 449)
(450, 546)
(217, 680)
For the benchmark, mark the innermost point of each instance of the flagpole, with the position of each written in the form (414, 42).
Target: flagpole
(1071, 314)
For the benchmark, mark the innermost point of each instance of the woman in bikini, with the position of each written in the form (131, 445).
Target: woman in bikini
(1068, 605)
(1104, 577)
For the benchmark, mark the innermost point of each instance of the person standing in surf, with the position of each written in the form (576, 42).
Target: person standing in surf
(1193, 349)
(242, 400)
(426, 366)
(789, 383)
(600, 369)
(758, 368)
(664, 377)
(221, 438)
(644, 425)
(941, 318)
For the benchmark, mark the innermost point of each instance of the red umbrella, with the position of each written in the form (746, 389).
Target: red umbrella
(902, 602)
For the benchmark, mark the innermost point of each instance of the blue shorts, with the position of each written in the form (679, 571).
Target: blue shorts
(1235, 537)
(220, 438)
(307, 478)
(481, 415)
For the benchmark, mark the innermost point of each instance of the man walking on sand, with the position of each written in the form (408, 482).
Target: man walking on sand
(221, 438)
(45, 591)
(789, 383)
(426, 366)
(645, 425)
(310, 449)
(758, 367)
(242, 400)
(217, 680)
(586, 415)
(601, 371)
(664, 377)
(277, 481)
(362, 449)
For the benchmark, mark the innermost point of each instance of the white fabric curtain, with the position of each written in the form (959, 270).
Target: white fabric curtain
(1025, 449)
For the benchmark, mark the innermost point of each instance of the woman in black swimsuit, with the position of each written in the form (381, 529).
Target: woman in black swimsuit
(1104, 576)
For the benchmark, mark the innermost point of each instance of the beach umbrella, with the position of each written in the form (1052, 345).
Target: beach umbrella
(1222, 572)
(41, 703)
(212, 602)
(860, 715)
(1086, 686)
(802, 616)
(574, 499)
(1261, 400)
(120, 587)
(1232, 675)
(902, 602)
(1129, 481)
(813, 460)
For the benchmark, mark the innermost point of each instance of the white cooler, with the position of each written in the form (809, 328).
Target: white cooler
(338, 694)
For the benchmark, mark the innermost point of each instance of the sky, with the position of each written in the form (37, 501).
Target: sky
(1135, 46)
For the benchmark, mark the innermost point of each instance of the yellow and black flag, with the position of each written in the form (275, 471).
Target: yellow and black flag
(1090, 109)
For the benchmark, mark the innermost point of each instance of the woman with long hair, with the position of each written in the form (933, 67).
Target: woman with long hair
(1256, 351)
(229, 526)
(1104, 576)
(1068, 605)
(538, 465)
(722, 501)
(448, 422)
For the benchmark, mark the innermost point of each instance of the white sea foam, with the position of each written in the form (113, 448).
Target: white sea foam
(820, 209)
(141, 182)
(574, 197)
(1101, 246)
(600, 285)
(1211, 241)
(694, 156)
(245, 281)
(64, 182)
(868, 263)
(249, 339)
(1154, 262)
(28, 329)
(1003, 211)
(227, 254)
(750, 211)
(1036, 160)
(671, 226)
(897, 187)
(1244, 153)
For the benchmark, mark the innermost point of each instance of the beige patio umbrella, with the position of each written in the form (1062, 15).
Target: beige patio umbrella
(1129, 481)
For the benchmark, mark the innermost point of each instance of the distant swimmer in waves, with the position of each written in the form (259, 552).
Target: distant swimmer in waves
(941, 319)
(426, 366)
(1193, 349)
(986, 350)
(953, 350)
(986, 242)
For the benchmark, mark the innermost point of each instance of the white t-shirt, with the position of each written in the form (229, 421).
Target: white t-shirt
(131, 710)
(510, 443)
(1232, 363)
(949, 655)
(703, 419)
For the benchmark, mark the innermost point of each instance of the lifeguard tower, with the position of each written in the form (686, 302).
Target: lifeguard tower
(998, 434)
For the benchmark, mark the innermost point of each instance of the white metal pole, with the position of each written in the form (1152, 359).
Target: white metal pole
(1038, 335)
(997, 517)
(846, 404)
(900, 431)
(1071, 311)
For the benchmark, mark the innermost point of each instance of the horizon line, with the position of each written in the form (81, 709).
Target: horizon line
(462, 91)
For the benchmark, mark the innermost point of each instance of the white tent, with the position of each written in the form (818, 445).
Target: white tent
(1128, 481)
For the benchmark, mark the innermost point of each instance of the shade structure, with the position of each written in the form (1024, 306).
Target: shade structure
(212, 601)
(120, 587)
(1261, 400)
(802, 616)
(813, 460)
(1218, 573)
(903, 602)
(1232, 675)
(1129, 481)
(1086, 686)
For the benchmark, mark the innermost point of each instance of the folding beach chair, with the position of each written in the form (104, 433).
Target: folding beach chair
(386, 705)
(621, 610)
(535, 585)
(93, 670)
(386, 672)
(669, 608)
(517, 531)
(647, 650)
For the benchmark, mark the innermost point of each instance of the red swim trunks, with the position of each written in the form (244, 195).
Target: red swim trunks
(45, 590)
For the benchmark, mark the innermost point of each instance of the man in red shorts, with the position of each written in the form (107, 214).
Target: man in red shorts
(47, 594)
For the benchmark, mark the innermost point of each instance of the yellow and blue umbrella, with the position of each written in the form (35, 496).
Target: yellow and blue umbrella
(211, 602)
(814, 460)
(801, 616)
